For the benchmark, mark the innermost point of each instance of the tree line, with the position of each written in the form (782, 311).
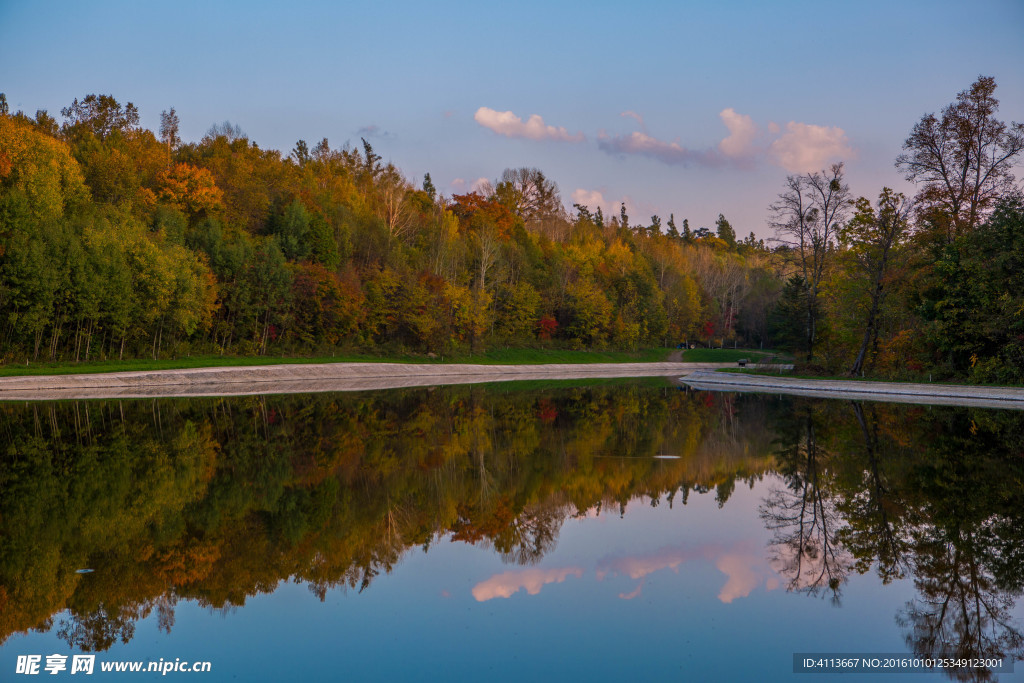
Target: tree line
(117, 241)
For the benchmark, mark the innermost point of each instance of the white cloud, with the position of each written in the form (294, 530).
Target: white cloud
(508, 124)
(508, 583)
(807, 147)
(742, 131)
(461, 185)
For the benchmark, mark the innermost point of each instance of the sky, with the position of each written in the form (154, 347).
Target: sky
(684, 108)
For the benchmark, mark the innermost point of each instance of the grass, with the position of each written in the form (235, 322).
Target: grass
(725, 355)
(541, 356)
(492, 357)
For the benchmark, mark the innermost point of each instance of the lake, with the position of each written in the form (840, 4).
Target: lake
(598, 530)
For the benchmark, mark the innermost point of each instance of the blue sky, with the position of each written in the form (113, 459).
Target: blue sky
(450, 87)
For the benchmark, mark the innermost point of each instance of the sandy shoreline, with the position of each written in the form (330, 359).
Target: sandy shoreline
(891, 392)
(308, 378)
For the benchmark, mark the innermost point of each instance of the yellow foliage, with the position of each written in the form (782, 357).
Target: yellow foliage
(40, 166)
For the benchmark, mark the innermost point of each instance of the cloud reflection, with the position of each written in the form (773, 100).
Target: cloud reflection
(744, 569)
(504, 585)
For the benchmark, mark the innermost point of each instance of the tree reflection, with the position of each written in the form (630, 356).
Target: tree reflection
(216, 500)
(934, 494)
(803, 516)
(960, 610)
(877, 529)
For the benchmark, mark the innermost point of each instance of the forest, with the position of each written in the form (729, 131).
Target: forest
(121, 242)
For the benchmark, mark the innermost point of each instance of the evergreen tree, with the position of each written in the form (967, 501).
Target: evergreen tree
(725, 231)
(673, 232)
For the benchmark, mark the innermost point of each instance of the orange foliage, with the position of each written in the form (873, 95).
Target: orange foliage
(472, 532)
(190, 189)
(474, 210)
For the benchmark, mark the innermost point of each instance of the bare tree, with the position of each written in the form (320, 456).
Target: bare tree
(392, 208)
(806, 217)
(962, 159)
(529, 194)
(805, 521)
(169, 129)
(725, 279)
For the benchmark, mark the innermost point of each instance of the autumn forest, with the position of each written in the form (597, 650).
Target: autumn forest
(121, 242)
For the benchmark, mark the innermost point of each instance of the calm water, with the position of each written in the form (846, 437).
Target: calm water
(600, 531)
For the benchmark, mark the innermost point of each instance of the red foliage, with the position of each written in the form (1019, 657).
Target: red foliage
(546, 327)
(546, 411)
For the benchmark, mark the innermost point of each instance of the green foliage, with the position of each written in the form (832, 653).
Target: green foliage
(788, 321)
(725, 231)
(118, 244)
(977, 300)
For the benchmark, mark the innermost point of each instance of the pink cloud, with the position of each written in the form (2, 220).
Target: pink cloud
(592, 199)
(742, 131)
(635, 593)
(802, 147)
(639, 566)
(506, 584)
(807, 147)
(639, 119)
(744, 569)
(508, 124)
(744, 572)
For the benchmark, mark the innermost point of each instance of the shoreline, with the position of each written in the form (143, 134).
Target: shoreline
(313, 378)
(859, 390)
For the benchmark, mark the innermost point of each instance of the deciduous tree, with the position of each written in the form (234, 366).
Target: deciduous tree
(962, 160)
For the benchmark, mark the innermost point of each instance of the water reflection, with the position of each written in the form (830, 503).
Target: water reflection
(934, 494)
(215, 501)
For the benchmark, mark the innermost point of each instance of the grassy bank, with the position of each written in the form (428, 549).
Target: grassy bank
(492, 357)
(730, 355)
